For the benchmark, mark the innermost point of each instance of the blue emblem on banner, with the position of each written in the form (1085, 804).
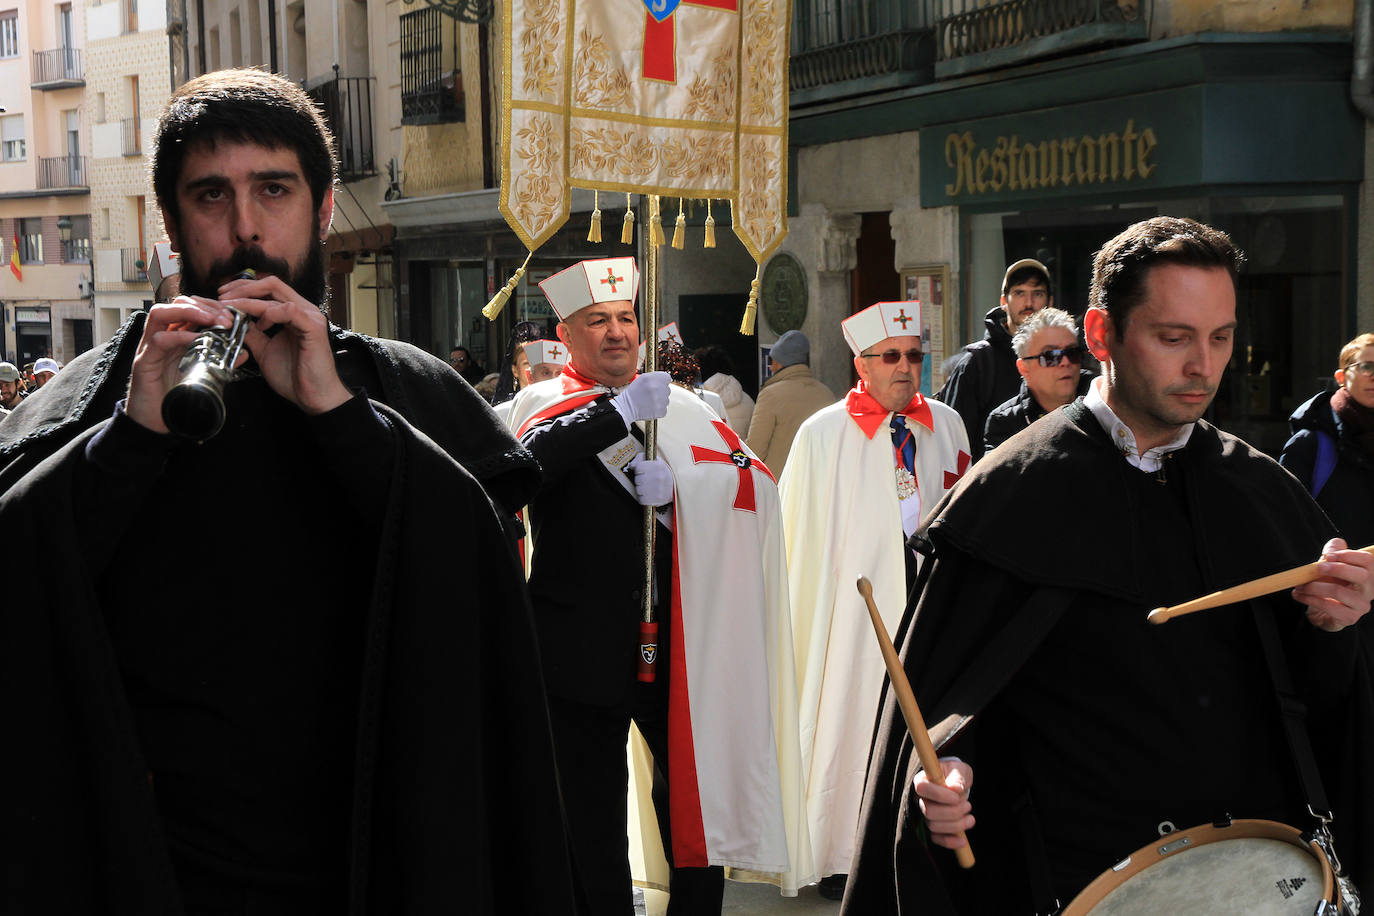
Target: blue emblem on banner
(661, 9)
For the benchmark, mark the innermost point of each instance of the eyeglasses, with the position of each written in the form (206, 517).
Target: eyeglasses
(1057, 357)
(1365, 369)
(892, 357)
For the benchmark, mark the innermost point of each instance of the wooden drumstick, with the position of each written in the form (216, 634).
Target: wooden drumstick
(930, 761)
(1291, 578)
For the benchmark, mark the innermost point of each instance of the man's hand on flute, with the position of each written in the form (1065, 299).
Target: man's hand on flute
(947, 809)
(1342, 595)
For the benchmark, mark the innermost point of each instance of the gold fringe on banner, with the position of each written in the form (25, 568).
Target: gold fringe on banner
(498, 301)
(751, 309)
(627, 229)
(594, 231)
(655, 222)
(710, 227)
(680, 227)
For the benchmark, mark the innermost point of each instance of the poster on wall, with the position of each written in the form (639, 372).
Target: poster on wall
(928, 284)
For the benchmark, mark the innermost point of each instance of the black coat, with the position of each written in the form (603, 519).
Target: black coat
(1348, 495)
(983, 376)
(966, 632)
(1016, 413)
(455, 800)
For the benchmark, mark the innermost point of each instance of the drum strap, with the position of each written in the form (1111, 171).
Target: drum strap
(1294, 713)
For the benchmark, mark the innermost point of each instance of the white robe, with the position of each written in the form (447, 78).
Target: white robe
(737, 676)
(842, 520)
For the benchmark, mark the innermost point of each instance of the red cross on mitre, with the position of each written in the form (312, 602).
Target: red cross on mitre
(952, 477)
(554, 351)
(611, 279)
(903, 317)
(744, 495)
(660, 40)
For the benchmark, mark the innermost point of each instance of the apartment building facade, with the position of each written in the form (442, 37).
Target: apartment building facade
(44, 183)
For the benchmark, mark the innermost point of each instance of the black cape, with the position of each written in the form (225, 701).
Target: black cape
(960, 647)
(455, 803)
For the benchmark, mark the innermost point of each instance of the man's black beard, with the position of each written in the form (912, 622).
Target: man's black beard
(309, 281)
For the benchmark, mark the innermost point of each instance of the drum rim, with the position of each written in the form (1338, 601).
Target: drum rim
(1202, 835)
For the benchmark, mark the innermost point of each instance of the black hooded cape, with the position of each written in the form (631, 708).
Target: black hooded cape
(985, 599)
(455, 802)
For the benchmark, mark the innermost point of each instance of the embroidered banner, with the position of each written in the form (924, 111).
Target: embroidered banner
(681, 98)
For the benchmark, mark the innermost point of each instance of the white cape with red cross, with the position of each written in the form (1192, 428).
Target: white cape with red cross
(736, 787)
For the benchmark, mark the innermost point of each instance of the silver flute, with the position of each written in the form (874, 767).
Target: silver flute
(194, 406)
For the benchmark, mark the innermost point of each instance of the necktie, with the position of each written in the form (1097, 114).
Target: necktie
(902, 442)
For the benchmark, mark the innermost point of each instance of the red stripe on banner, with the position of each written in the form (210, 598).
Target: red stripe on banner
(659, 49)
(561, 407)
(684, 795)
(731, 5)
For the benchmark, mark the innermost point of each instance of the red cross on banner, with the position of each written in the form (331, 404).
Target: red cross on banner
(744, 496)
(952, 477)
(660, 40)
(612, 279)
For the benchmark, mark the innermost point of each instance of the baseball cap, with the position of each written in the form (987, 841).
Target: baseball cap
(9, 372)
(1022, 264)
(46, 364)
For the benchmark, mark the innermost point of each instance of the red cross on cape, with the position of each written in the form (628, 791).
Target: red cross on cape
(952, 477)
(744, 495)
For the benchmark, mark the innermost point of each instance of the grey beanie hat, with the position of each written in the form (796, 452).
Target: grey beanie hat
(791, 348)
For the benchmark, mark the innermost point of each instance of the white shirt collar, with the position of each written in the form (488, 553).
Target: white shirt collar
(1124, 439)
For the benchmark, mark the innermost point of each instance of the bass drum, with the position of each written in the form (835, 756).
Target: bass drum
(1259, 868)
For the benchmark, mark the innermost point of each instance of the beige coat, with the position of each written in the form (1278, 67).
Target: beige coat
(790, 396)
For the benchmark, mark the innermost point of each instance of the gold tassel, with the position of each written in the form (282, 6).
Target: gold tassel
(594, 231)
(710, 227)
(680, 227)
(746, 327)
(627, 229)
(498, 301)
(655, 222)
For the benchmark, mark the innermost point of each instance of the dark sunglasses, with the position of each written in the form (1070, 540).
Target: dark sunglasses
(892, 357)
(1057, 357)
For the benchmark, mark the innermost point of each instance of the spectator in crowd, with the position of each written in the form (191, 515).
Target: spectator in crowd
(463, 363)
(11, 386)
(718, 375)
(984, 374)
(44, 369)
(246, 684)
(789, 396)
(1087, 726)
(1050, 361)
(860, 476)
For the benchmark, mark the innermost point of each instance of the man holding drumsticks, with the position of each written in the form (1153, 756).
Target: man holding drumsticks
(1088, 726)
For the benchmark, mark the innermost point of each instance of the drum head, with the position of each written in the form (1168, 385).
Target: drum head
(1246, 868)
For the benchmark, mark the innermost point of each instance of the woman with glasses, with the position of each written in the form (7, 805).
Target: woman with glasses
(1332, 447)
(1050, 361)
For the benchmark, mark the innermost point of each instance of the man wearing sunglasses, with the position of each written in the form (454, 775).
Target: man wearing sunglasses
(1050, 361)
(984, 375)
(1086, 725)
(859, 476)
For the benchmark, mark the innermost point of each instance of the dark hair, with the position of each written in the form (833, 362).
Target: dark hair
(714, 360)
(1121, 266)
(1026, 274)
(678, 362)
(241, 106)
(522, 333)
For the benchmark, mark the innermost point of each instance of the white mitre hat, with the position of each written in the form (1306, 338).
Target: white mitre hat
(539, 352)
(880, 321)
(588, 282)
(668, 332)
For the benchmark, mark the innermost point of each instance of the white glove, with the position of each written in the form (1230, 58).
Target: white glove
(645, 398)
(653, 480)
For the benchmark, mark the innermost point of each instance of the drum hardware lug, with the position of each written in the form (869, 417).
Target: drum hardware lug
(1222, 822)
(1175, 846)
(1166, 827)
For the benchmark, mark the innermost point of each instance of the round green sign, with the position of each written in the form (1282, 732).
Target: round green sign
(784, 293)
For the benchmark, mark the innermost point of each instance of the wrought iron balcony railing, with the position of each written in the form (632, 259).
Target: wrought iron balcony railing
(76, 251)
(133, 141)
(60, 68)
(430, 94)
(62, 172)
(133, 265)
(837, 41)
(1017, 29)
(346, 102)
